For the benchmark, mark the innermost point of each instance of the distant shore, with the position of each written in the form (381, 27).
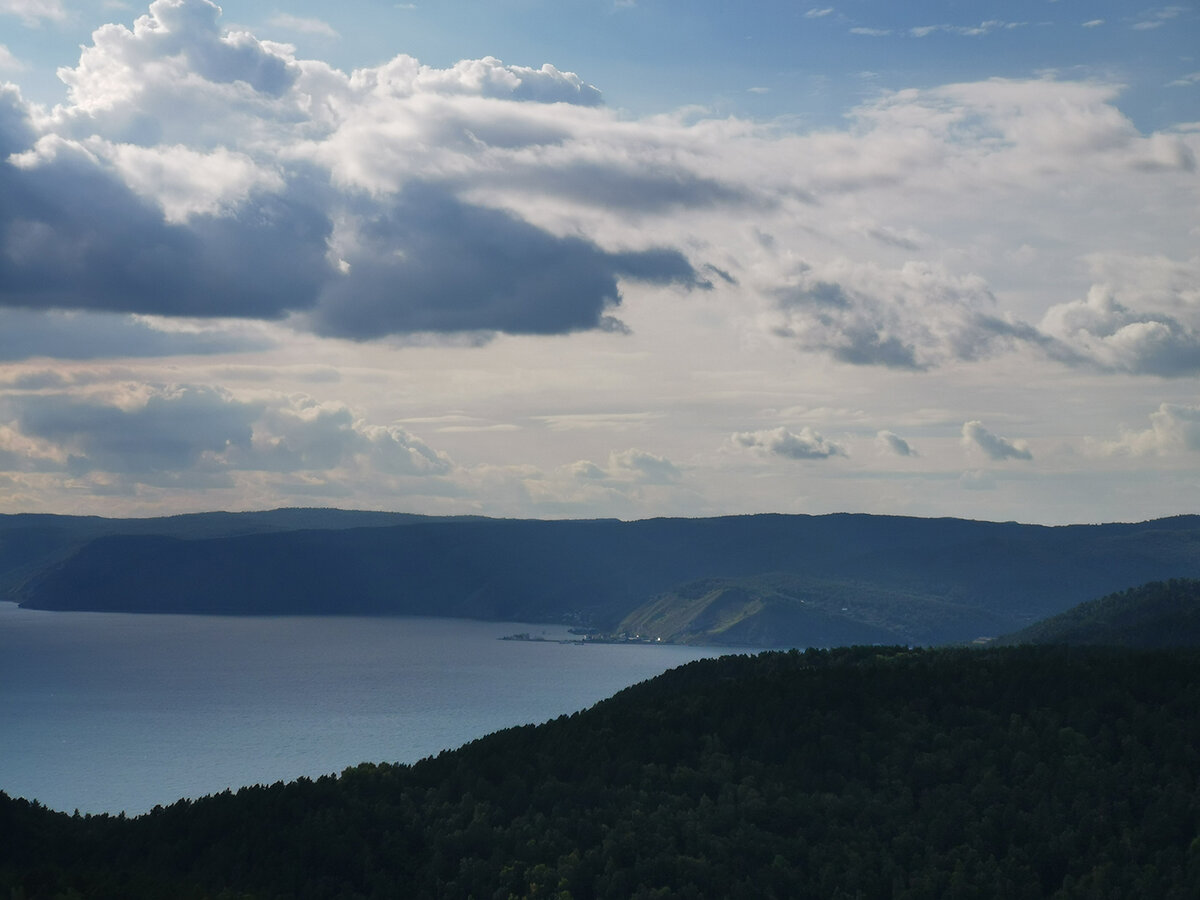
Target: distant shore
(588, 639)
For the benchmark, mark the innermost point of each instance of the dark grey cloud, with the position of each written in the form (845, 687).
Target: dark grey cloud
(1162, 346)
(914, 318)
(1102, 333)
(816, 294)
(171, 431)
(423, 261)
(986, 333)
(434, 263)
(720, 273)
(26, 333)
(74, 236)
(16, 131)
(1171, 350)
(918, 318)
(892, 238)
(852, 327)
(996, 447)
(865, 345)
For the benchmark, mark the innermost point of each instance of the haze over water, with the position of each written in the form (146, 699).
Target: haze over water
(110, 712)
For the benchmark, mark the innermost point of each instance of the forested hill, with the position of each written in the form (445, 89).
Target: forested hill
(900, 579)
(1006, 772)
(1160, 614)
(29, 542)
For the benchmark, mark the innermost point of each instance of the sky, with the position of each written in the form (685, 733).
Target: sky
(584, 258)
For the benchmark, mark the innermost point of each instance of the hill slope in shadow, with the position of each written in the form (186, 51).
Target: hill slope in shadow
(1002, 772)
(1159, 614)
(910, 580)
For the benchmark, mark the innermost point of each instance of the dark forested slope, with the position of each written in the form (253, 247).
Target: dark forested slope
(29, 542)
(1160, 614)
(1005, 772)
(910, 580)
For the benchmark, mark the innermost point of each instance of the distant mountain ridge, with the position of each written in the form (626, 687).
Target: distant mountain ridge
(781, 580)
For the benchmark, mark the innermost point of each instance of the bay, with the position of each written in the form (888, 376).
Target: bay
(112, 712)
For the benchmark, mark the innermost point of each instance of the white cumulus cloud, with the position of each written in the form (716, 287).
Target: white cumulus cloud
(8, 61)
(891, 442)
(1173, 428)
(1105, 332)
(804, 444)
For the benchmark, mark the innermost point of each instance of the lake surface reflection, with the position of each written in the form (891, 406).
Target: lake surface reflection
(105, 712)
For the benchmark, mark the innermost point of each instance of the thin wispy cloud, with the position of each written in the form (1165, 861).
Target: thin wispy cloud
(632, 465)
(9, 62)
(303, 24)
(1158, 18)
(966, 30)
(34, 12)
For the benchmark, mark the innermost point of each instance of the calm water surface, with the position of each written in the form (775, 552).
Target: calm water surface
(105, 712)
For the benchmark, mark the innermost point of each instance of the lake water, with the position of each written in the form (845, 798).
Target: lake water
(105, 712)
